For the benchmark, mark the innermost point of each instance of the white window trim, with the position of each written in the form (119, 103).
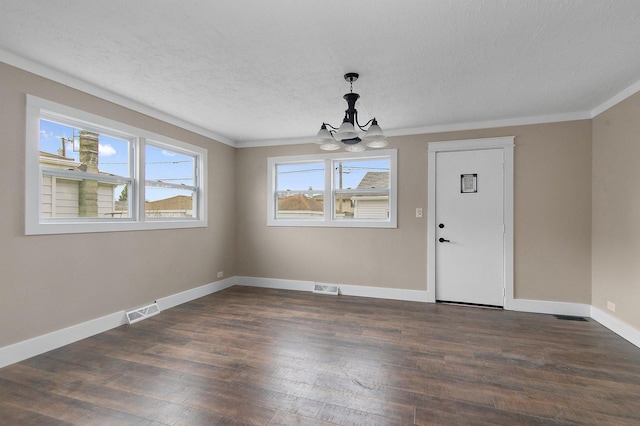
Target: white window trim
(328, 220)
(34, 225)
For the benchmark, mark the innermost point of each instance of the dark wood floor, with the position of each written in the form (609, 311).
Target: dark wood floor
(273, 357)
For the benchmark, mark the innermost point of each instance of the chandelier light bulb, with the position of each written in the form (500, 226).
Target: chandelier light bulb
(346, 131)
(323, 135)
(380, 143)
(358, 147)
(374, 137)
(331, 145)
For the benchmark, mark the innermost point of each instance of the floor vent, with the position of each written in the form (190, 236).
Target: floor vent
(143, 313)
(331, 289)
(570, 318)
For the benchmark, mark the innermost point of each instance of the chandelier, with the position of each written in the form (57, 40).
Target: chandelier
(347, 135)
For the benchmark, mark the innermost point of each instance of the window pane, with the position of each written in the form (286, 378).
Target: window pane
(300, 177)
(64, 197)
(74, 148)
(359, 176)
(164, 165)
(169, 203)
(122, 201)
(293, 205)
(362, 174)
(371, 205)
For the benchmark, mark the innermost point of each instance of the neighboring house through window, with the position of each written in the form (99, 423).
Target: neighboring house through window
(85, 173)
(339, 190)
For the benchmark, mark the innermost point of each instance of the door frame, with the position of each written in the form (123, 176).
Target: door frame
(506, 144)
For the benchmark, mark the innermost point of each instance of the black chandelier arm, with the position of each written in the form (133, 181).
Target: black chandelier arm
(334, 129)
(363, 127)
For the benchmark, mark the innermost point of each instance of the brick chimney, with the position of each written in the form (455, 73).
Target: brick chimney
(88, 189)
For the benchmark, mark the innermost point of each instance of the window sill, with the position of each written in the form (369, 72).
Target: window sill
(332, 224)
(50, 228)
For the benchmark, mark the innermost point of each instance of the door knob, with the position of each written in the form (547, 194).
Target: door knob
(442, 240)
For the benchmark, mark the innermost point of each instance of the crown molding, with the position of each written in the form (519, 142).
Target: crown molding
(75, 83)
(509, 122)
(78, 84)
(274, 142)
(626, 93)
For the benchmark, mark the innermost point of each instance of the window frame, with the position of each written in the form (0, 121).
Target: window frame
(157, 184)
(277, 192)
(38, 108)
(328, 219)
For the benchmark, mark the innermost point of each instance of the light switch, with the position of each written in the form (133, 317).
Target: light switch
(418, 212)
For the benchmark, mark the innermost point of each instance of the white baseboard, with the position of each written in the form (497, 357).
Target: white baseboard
(546, 307)
(621, 328)
(56, 339)
(345, 289)
(384, 293)
(275, 283)
(41, 344)
(194, 293)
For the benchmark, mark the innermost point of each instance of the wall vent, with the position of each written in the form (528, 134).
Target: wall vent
(331, 289)
(145, 312)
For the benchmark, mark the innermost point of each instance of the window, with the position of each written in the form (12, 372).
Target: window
(85, 173)
(170, 183)
(296, 197)
(336, 190)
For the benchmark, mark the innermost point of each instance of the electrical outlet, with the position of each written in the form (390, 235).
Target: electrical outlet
(418, 212)
(611, 306)
(220, 274)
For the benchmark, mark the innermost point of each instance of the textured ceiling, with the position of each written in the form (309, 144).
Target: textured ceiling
(266, 70)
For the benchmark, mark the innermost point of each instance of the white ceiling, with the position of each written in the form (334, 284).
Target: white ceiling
(257, 71)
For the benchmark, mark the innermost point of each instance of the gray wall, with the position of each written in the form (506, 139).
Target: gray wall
(50, 282)
(552, 219)
(616, 211)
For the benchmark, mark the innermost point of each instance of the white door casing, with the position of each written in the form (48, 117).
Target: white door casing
(460, 226)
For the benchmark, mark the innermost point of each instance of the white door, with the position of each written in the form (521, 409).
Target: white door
(469, 219)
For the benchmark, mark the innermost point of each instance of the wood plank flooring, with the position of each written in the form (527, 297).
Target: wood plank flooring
(273, 357)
